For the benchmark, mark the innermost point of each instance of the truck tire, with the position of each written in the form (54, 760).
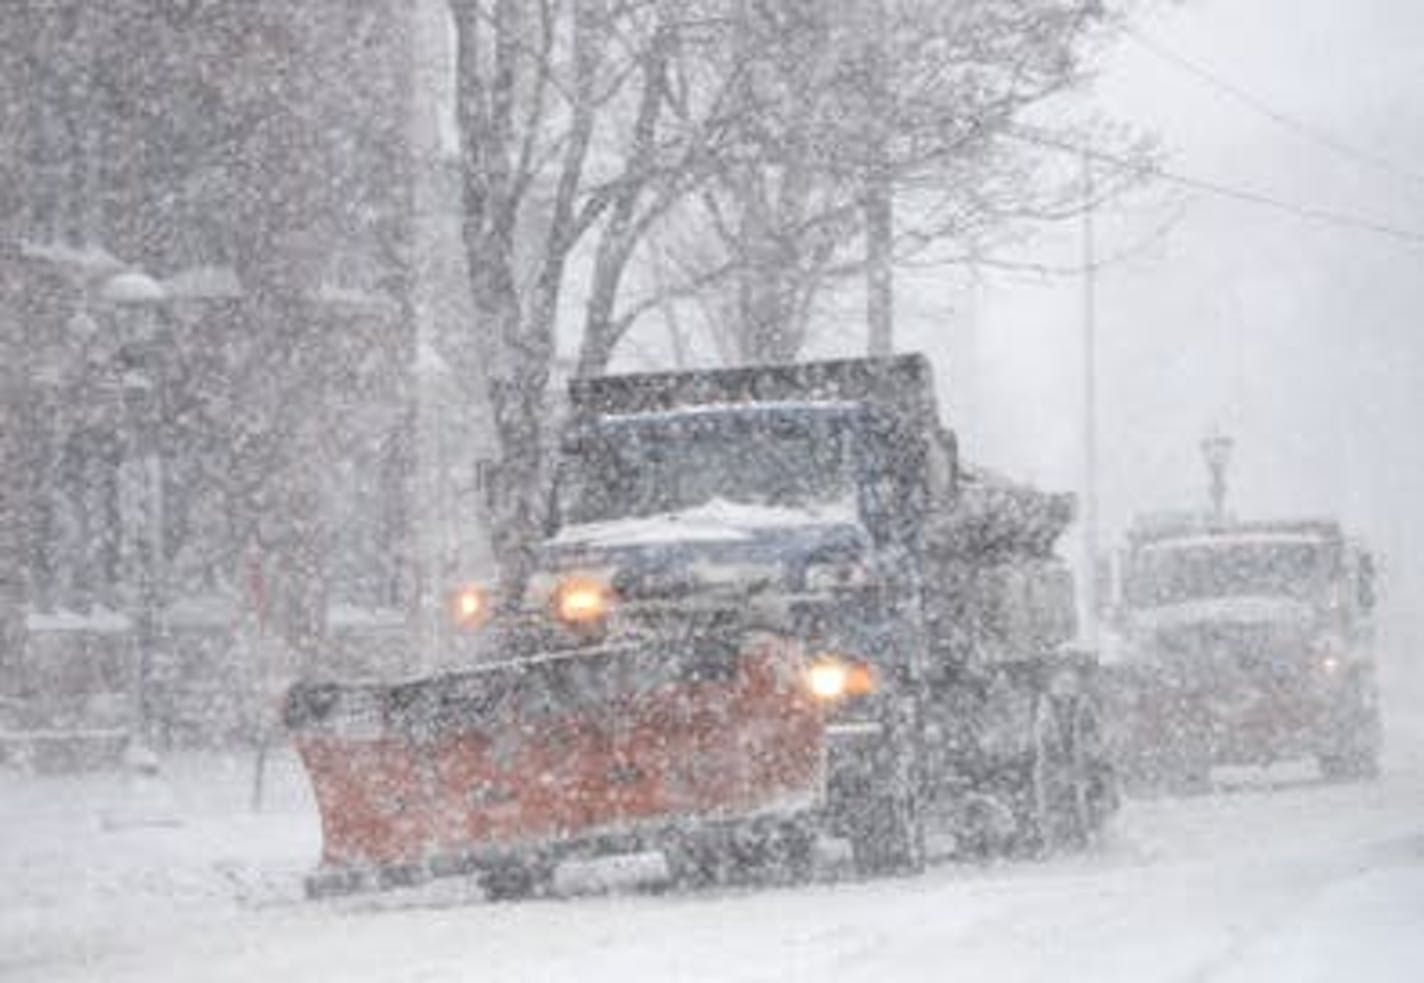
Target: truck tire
(693, 865)
(1182, 748)
(1353, 753)
(888, 826)
(1348, 766)
(510, 880)
(1101, 794)
(781, 853)
(1186, 769)
(888, 837)
(793, 859)
(1056, 800)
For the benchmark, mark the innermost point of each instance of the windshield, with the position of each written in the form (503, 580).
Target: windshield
(1167, 574)
(658, 463)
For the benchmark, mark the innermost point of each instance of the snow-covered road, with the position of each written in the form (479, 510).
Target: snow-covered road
(1274, 877)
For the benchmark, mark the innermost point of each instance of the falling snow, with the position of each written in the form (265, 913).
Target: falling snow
(710, 490)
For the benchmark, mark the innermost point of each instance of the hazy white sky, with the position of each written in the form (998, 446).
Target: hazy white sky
(1300, 339)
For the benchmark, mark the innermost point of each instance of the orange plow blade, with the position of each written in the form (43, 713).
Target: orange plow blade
(549, 756)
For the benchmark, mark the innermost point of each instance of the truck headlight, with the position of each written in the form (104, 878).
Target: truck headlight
(834, 677)
(470, 606)
(582, 601)
(1330, 655)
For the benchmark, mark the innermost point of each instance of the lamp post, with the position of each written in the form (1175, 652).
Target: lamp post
(1090, 410)
(136, 301)
(1216, 449)
(879, 205)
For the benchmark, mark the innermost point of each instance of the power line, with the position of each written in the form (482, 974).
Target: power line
(1221, 190)
(1301, 128)
(1045, 270)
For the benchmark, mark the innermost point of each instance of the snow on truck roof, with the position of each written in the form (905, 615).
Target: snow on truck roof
(797, 407)
(1254, 538)
(902, 383)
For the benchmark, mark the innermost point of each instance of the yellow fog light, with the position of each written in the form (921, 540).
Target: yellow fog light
(470, 606)
(582, 600)
(827, 679)
(832, 678)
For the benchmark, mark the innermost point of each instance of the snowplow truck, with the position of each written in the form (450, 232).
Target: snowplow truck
(768, 609)
(1243, 643)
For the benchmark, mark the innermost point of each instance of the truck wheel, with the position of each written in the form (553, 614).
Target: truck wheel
(1183, 751)
(510, 880)
(1055, 812)
(1358, 763)
(1192, 773)
(1354, 751)
(887, 824)
(1099, 781)
(888, 837)
(693, 866)
(778, 854)
(793, 854)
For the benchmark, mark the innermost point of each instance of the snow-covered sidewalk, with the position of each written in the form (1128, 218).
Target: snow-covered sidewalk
(1293, 883)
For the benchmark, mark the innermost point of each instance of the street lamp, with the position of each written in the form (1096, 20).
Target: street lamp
(1216, 449)
(136, 300)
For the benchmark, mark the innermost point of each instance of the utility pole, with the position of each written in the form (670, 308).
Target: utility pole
(1216, 449)
(879, 202)
(1090, 415)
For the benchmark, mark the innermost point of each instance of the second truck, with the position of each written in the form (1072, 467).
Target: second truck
(1244, 642)
(770, 608)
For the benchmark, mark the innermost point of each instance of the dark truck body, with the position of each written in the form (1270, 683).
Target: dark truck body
(1245, 643)
(785, 572)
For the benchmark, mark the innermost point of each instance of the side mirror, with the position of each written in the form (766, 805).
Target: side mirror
(486, 474)
(944, 461)
(1365, 582)
(878, 496)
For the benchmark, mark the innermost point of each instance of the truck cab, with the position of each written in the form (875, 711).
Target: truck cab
(1255, 644)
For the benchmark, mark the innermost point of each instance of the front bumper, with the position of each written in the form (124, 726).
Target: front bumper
(1254, 720)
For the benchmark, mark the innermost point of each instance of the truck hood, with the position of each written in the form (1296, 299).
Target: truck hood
(719, 542)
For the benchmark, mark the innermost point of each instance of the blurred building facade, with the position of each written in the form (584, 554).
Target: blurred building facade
(169, 163)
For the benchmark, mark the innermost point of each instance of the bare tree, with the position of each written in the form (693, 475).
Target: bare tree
(851, 107)
(577, 131)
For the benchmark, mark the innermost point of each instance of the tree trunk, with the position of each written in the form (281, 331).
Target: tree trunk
(516, 310)
(13, 505)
